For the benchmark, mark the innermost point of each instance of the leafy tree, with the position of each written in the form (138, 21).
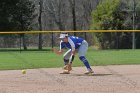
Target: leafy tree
(128, 7)
(5, 14)
(106, 15)
(138, 24)
(109, 16)
(22, 15)
(16, 16)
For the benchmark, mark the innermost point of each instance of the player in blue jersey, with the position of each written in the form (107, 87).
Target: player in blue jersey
(74, 44)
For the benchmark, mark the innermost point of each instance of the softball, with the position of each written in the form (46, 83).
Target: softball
(23, 71)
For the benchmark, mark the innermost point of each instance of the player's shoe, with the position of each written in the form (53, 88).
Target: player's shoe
(65, 67)
(65, 72)
(89, 72)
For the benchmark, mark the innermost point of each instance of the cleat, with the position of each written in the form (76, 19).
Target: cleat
(65, 72)
(65, 67)
(89, 72)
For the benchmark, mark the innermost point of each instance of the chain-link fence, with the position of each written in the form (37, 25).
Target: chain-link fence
(31, 41)
(42, 41)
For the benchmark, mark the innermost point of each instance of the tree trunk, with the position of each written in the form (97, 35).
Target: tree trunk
(24, 42)
(72, 2)
(74, 17)
(40, 26)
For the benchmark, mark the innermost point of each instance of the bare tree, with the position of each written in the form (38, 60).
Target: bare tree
(73, 4)
(54, 9)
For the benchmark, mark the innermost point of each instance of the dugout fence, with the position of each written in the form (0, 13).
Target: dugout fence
(103, 39)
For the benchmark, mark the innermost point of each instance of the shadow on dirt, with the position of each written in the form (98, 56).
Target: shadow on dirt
(90, 75)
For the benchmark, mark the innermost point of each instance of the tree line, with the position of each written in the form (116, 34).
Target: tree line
(26, 15)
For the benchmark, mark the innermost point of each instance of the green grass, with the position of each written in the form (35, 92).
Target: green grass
(47, 59)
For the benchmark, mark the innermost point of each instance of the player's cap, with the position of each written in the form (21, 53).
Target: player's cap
(63, 35)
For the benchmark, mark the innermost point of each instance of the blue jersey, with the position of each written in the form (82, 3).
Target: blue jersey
(73, 43)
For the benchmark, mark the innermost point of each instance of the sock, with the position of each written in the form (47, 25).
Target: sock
(66, 61)
(86, 63)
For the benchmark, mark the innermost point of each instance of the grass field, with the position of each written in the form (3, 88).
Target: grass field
(47, 59)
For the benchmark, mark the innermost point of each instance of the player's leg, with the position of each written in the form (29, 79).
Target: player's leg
(82, 52)
(66, 57)
(67, 66)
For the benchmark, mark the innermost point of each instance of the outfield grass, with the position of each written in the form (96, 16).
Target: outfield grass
(47, 59)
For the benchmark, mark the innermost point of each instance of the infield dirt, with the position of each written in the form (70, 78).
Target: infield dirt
(107, 79)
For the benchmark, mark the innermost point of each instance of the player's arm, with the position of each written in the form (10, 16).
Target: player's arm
(60, 51)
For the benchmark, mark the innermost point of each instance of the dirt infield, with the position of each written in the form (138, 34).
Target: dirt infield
(107, 79)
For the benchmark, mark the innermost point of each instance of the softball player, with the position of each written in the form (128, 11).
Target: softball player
(74, 44)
